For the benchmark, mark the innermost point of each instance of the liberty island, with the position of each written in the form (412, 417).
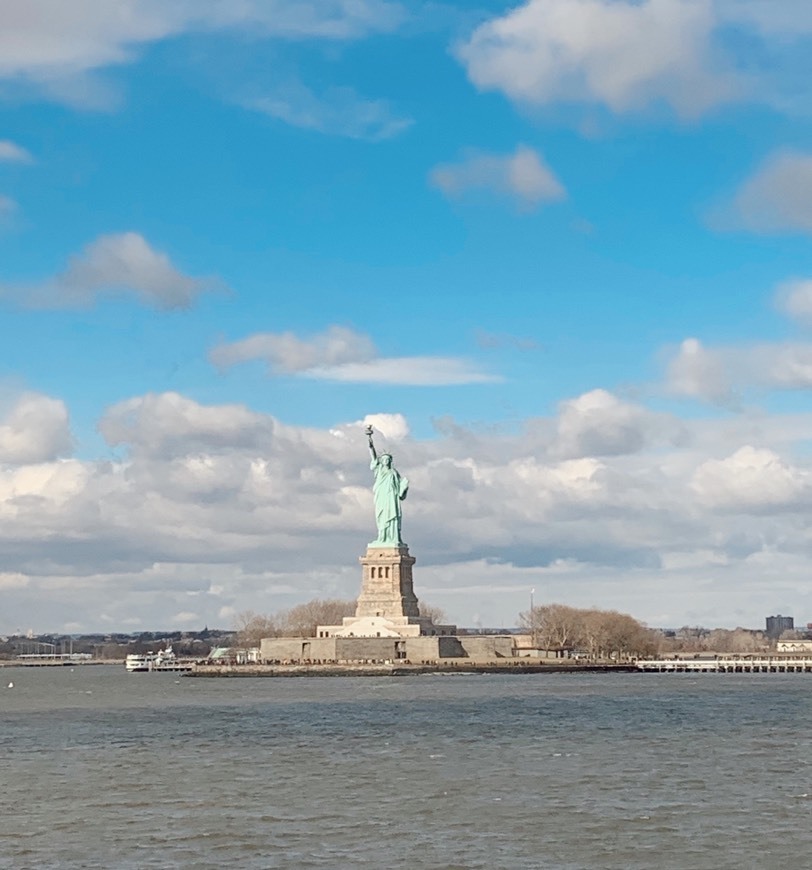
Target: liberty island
(388, 633)
(387, 625)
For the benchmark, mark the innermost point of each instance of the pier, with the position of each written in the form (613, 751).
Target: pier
(731, 665)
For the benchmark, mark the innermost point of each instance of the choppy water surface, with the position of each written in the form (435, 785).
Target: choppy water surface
(103, 769)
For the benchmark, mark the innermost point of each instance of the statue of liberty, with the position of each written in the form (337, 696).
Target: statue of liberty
(388, 491)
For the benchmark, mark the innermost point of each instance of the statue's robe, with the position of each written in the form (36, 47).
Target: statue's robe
(388, 490)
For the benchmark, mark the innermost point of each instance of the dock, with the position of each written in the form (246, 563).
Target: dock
(777, 664)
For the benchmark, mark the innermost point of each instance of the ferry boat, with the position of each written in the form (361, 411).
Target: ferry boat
(163, 660)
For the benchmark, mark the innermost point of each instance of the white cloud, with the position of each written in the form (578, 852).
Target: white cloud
(522, 175)
(53, 45)
(338, 112)
(57, 47)
(751, 479)
(300, 19)
(160, 424)
(697, 372)
(342, 354)
(795, 299)
(787, 366)
(286, 353)
(238, 510)
(34, 428)
(778, 197)
(620, 54)
(114, 265)
(417, 371)
(13, 153)
(392, 426)
(49, 486)
(599, 424)
(13, 581)
(185, 618)
(721, 374)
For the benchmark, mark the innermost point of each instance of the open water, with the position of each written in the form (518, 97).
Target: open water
(104, 769)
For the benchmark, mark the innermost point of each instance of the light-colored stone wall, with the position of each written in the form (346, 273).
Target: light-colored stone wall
(379, 649)
(487, 647)
(422, 649)
(362, 649)
(294, 649)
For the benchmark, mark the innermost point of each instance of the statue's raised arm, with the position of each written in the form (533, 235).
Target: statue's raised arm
(388, 491)
(368, 430)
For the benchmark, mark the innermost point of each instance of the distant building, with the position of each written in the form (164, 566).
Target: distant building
(794, 646)
(777, 625)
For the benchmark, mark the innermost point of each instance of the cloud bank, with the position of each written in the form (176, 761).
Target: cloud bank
(211, 509)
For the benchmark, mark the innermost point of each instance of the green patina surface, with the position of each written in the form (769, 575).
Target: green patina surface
(389, 489)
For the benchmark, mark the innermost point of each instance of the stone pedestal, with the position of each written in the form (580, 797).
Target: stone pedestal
(387, 605)
(386, 583)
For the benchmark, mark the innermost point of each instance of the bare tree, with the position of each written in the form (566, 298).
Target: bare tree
(596, 634)
(303, 619)
(717, 640)
(554, 626)
(745, 641)
(601, 634)
(252, 627)
(627, 637)
(436, 614)
(299, 621)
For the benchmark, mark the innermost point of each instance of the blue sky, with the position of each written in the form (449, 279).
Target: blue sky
(558, 250)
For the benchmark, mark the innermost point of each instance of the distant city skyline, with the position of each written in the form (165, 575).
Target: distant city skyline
(557, 253)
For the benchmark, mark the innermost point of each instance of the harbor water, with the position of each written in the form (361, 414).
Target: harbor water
(104, 769)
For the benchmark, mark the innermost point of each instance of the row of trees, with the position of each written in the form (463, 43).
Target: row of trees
(721, 640)
(599, 634)
(299, 621)
(602, 634)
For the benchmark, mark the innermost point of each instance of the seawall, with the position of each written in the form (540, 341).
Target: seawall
(398, 669)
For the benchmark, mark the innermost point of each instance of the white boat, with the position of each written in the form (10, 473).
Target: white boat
(163, 660)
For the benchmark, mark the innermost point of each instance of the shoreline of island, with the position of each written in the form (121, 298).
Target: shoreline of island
(397, 669)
